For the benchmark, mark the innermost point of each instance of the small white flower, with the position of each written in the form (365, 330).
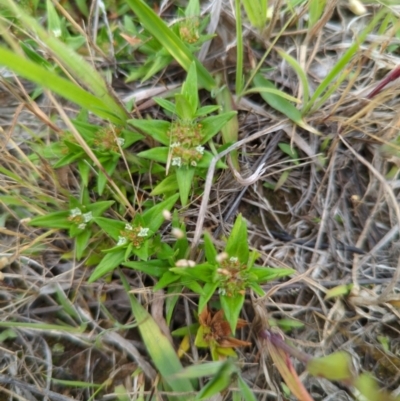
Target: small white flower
(176, 161)
(221, 291)
(200, 149)
(175, 144)
(57, 33)
(121, 241)
(87, 217)
(82, 226)
(144, 232)
(233, 259)
(193, 163)
(75, 212)
(120, 141)
(128, 227)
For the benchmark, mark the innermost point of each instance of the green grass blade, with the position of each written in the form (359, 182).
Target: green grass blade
(315, 10)
(300, 73)
(239, 49)
(40, 75)
(172, 43)
(278, 100)
(340, 65)
(73, 62)
(159, 348)
(256, 11)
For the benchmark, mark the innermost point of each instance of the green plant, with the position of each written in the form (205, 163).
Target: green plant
(184, 138)
(136, 238)
(230, 273)
(78, 220)
(106, 144)
(188, 30)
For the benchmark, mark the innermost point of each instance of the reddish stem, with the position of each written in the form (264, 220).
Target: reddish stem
(394, 74)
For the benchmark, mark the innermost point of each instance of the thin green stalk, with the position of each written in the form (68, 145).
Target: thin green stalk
(239, 49)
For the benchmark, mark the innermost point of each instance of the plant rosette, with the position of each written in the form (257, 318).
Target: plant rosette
(183, 153)
(106, 144)
(230, 273)
(78, 220)
(135, 238)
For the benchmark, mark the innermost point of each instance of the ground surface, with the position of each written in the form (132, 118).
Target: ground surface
(331, 213)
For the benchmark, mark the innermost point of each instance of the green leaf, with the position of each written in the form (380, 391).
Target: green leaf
(336, 366)
(190, 92)
(81, 243)
(165, 104)
(220, 381)
(112, 227)
(155, 268)
(166, 279)
(183, 108)
(202, 111)
(256, 11)
(42, 76)
(290, 151)
(170, 41)
(281, 104)
(109, 263)
(174, 292)
(237, 245)
(52, 220)
(157, 129)
(208, 291)
(300, 73)
(184, 177)
(232, 307)
(161, 351)
(168, 185)
(153, 217)
(101, 102)
(315, 10)
(270, 273)
(213, 124)
(53, 20)
(201, 370)
(157, 154)
(245, 390)
(209, 249)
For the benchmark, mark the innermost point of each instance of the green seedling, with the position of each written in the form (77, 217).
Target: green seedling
(183, 153)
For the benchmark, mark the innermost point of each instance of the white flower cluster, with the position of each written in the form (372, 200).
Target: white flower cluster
(85, 216)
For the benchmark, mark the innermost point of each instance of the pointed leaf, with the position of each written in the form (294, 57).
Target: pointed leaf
(109, 263)
(184, 177)
(157, 129)
(232, 307)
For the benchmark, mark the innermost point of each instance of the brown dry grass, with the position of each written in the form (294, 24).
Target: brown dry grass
(337, 200)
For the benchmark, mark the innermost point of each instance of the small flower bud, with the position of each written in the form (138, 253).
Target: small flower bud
(221, 257)
(177, 233)
(167, 215)
(185, 263)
